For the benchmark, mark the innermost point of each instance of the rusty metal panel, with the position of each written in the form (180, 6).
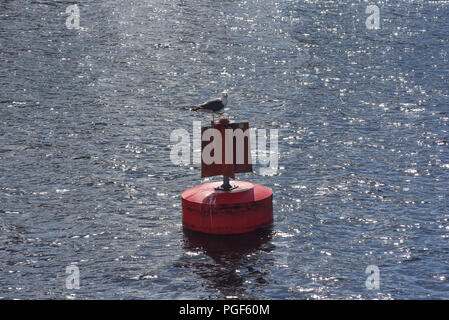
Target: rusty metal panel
(228, 166)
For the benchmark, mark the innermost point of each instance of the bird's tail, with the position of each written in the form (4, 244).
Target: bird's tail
(195, 108)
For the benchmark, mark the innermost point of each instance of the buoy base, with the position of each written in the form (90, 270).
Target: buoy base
(243, 209)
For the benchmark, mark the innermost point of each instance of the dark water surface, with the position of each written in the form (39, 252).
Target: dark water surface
(86, 177)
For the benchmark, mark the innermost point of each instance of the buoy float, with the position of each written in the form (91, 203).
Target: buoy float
(243, 209)
(216, 208)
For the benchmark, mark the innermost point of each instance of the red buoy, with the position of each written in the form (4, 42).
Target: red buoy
(244, 208)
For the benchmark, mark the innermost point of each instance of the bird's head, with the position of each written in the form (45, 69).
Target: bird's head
(224, 97)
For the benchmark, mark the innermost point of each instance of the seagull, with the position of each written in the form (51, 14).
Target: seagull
(214, 106)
